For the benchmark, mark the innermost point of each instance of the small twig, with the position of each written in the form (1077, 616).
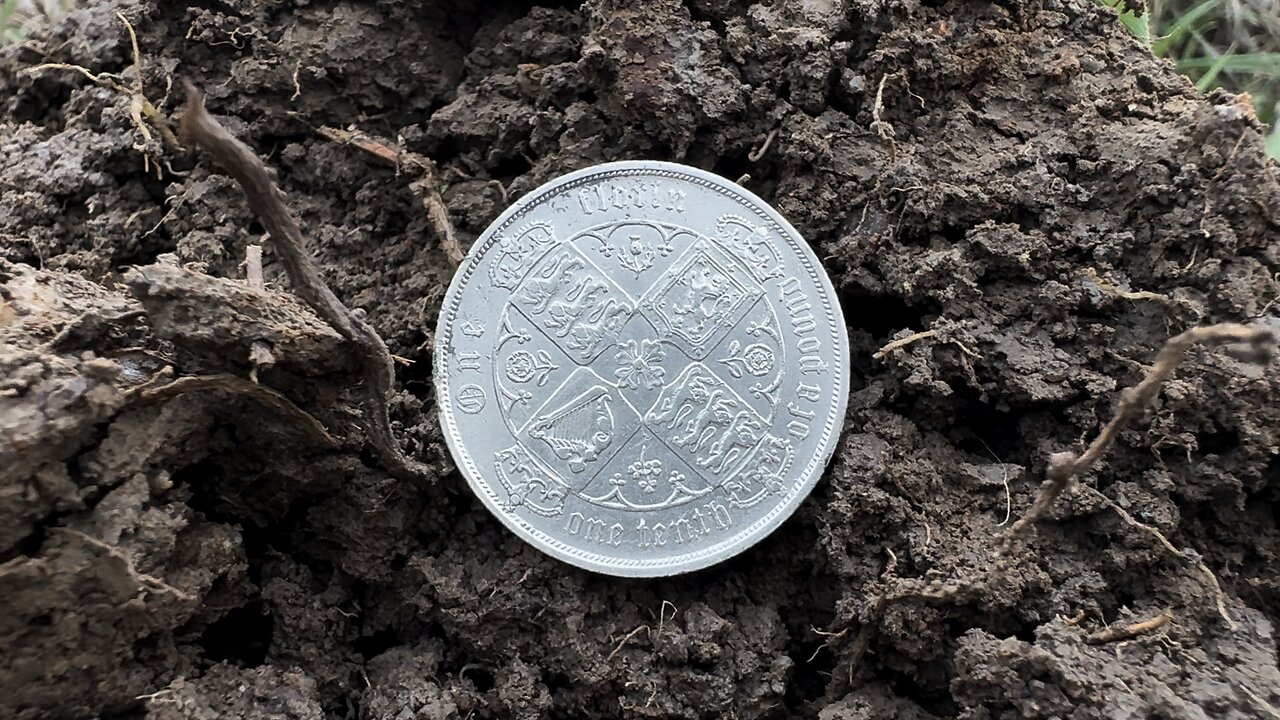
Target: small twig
(426, 187)
(903, 342)
(378, 149)
(253, 267)
(1125, 632)
(268, 202)
(1066, 466)
(239, 386)
(260, 351)
(630, 635)
(115, 552)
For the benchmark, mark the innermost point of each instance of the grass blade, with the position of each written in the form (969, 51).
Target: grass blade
(1266, 64)
(1185, 22)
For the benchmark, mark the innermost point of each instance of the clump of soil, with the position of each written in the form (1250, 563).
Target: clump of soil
(1023, 183)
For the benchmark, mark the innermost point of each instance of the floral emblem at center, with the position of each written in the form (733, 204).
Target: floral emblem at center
(639, 364)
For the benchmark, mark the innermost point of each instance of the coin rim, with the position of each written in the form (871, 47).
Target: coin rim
(639, 567)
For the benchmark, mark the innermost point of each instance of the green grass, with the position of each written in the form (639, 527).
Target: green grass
(1139, 25)
(14, 14)
(10, 22)
(1229, 44)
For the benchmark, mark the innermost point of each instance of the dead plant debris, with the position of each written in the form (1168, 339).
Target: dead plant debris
(268, 202)
(1116, 633)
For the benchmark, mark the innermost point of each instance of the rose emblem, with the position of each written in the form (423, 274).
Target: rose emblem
(757, 359)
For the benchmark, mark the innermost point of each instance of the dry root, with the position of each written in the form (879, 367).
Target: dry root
(902, 342)
(878, 125)
(1064, 467)
(1116, 633)
(140, 107)
(425, 187)
(1219, 597)
(625, 640)
(268, 202)
(755, 155)
(1115, 291)
(141, 578)
(239, 386)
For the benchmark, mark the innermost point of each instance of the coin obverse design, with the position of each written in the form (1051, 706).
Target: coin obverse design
(641, 368)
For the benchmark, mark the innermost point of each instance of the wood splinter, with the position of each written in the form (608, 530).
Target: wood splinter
(260, 351)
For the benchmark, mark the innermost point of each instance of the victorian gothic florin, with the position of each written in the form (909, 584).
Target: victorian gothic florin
(641, 368)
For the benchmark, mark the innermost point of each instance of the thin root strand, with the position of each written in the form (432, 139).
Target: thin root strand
(141, 578)
(1065, 467)
(902, 342)
(625, 640)
(239, 386)
(425, 187)
(268, 202)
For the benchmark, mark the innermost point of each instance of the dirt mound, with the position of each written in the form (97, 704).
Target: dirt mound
(1019, 193)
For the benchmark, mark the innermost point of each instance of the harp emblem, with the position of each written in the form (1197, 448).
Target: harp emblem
(578, 431)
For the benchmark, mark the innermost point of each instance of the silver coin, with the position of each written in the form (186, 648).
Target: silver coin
(641, 368)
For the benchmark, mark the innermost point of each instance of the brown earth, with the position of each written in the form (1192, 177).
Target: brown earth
(1024, 180)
